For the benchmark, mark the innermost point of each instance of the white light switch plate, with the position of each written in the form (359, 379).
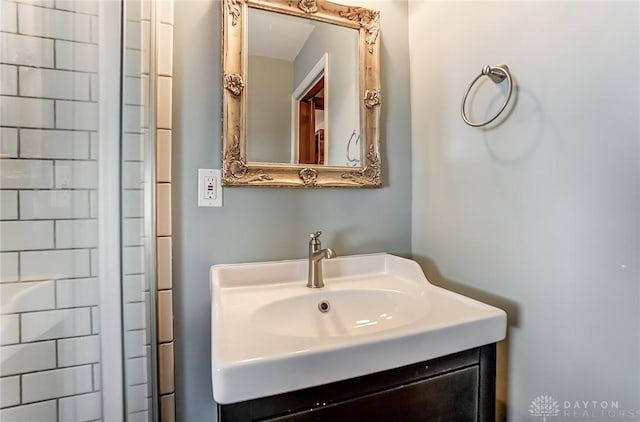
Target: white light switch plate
(209, 188)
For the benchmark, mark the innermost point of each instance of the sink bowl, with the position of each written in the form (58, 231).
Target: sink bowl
(344, 312)
(271, 334)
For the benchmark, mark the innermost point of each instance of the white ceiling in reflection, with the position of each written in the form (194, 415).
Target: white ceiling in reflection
(275, 35)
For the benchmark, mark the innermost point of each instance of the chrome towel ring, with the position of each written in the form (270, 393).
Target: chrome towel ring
(497, 74)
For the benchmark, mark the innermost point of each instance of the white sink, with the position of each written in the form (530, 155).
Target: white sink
(269, 335)
(352, 312)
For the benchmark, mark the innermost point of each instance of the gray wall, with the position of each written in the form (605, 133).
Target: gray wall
(342, 78)
(266, 224)
(539, 215)
(269, 86)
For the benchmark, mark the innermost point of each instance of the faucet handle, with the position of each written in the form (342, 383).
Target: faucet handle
(315, 235)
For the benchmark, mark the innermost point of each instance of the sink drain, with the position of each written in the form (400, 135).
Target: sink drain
(324, 306)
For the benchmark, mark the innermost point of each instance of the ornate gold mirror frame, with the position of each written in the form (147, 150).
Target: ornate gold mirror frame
(236, 170)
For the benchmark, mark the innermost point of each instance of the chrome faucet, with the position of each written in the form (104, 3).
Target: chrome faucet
(316, 255)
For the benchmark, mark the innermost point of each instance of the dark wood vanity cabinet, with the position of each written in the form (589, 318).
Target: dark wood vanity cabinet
(458, 387)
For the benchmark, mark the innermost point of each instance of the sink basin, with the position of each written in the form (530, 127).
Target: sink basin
(271, 334)
(350, 312)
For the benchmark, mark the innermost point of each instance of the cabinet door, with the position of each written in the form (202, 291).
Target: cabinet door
(451, 397)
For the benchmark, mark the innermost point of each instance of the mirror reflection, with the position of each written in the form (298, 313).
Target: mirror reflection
(302, 91)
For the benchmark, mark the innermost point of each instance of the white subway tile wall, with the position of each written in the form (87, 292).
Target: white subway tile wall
(165, 102)
(56, 383)
(136, 318)
(26, 235)
(134, 288)
(27, 296)
(85, 407)
(165, 267)
(165, 59)
(26, 112)
(49, 338)
(7, 17)
(77, 292)
(8, 80)
(49, 83)
(136, 396)
(164, 232)
(9, 329)
(163, 156)
(38, 143)
(10, 387)
(77, 115)
(78, 351)
(55, 324)
(76, 56)
(43, 411)
(137, 370)
(54, 264)
(54, 204)
(49, 331)
(76, 234)
(22, 49)
(132, 231)
(52, 23)
(20, 358)
(134, 343)
(163, 211)
(8, 205)
(8, 142)
(8, 266)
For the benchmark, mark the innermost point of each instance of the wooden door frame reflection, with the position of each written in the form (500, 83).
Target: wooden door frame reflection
(311, 140)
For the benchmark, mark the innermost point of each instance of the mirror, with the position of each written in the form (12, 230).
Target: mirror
(293, 65)
(301, 97)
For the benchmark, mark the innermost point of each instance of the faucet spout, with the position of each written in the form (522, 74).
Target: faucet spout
(316, 255)
(330, 253)
(326, 253)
